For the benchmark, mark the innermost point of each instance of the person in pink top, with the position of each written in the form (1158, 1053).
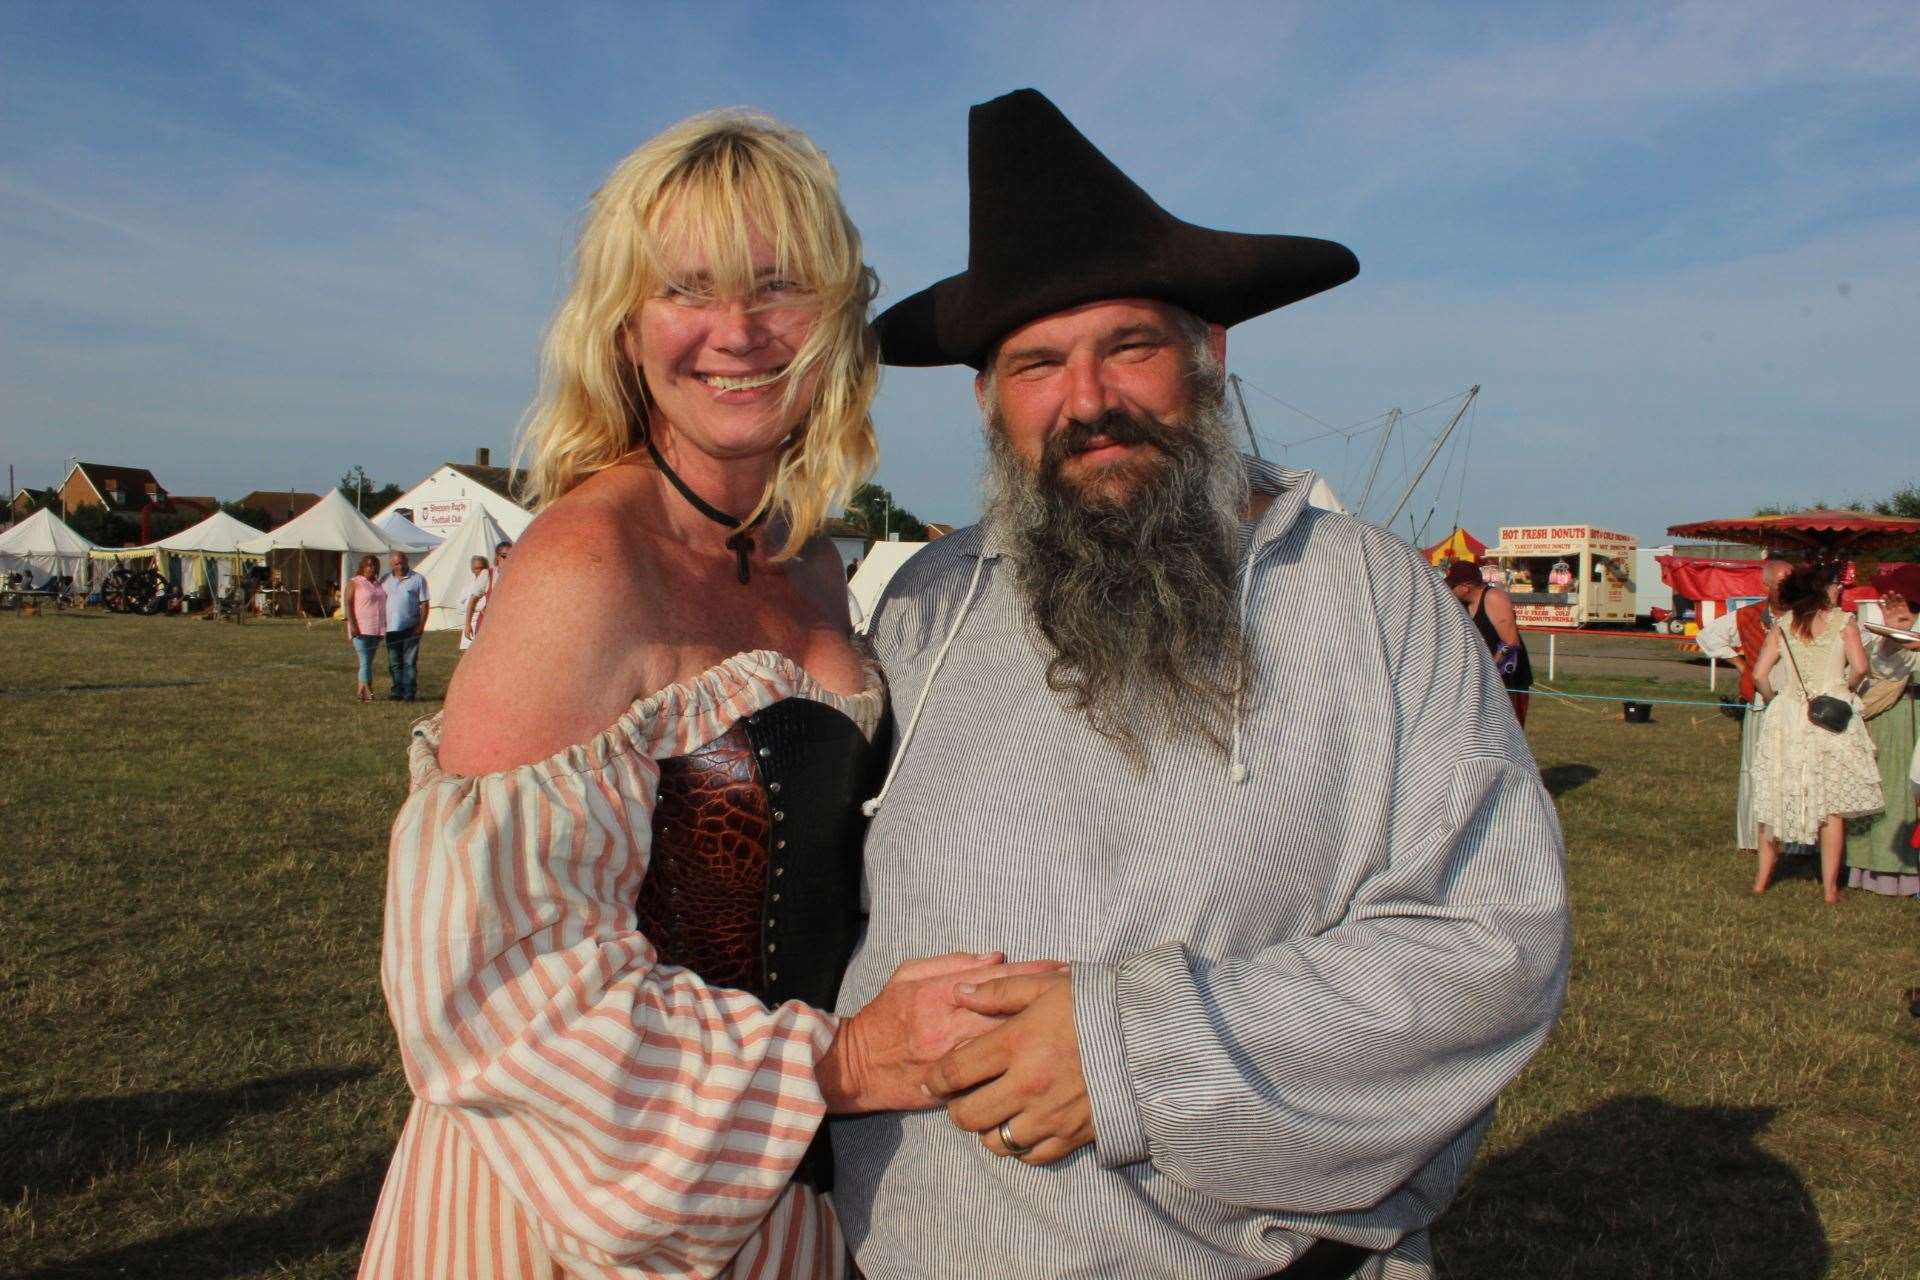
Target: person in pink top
(366, 610)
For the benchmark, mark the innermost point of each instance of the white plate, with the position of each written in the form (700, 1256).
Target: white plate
(1880, 629)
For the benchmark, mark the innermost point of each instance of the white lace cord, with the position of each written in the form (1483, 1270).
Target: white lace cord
(1236, 771)
(872, 806)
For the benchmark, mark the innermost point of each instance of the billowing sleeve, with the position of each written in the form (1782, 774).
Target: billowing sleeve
(1322, 1073)
(1720, 638)
(631, 1109)
(1890, 659)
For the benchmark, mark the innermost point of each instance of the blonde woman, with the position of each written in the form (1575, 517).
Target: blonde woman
(626, 879)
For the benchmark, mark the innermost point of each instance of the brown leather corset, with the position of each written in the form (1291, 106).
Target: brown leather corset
(700, 904)
(754, 880)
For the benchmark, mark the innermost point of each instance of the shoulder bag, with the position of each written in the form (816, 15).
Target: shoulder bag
(1828, 712)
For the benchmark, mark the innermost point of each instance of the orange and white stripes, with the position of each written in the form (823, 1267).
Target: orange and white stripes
(580, 1108)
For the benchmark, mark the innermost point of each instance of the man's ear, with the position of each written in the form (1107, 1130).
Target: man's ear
(1217, 343)
(980, 390)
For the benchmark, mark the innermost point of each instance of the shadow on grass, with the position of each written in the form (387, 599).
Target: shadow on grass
(1562, 778)
(1637, 1187)
(63, 1146)
(332, 1216)
(120, 687)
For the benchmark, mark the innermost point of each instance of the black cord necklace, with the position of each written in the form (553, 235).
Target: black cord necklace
(739, 543)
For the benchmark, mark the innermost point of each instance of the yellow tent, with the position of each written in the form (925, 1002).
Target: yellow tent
(1458, 545)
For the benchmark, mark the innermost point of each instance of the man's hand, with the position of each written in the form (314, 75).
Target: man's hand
(879, 1059)
(1897, 612)
(1025, 1073)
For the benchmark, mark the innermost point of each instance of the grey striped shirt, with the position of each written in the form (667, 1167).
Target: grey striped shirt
(1297, 994)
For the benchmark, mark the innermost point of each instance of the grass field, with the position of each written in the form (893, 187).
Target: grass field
(198, 1078)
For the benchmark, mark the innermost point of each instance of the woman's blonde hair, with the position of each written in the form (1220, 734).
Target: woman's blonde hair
(701, 190)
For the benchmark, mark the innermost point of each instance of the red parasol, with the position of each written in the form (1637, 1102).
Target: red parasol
(1824, 533)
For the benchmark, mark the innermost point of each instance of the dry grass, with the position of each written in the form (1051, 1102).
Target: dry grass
(200, 1080)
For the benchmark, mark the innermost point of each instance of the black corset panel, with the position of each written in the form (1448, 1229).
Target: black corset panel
(754, 880)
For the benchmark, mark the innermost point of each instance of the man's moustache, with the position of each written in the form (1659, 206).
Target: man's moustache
(1115, 428)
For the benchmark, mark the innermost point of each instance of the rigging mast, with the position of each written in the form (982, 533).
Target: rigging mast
(1233, 380)
(1432, 453)
(1393, 420)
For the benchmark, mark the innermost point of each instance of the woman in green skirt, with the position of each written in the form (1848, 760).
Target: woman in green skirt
(1880, 853)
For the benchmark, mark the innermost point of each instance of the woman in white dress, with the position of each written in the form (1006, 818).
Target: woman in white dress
(1808, 780)
(475, 600)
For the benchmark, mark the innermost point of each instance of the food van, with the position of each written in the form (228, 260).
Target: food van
(1567, 575)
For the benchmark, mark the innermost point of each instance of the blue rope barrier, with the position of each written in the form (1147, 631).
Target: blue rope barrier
(1617, 697)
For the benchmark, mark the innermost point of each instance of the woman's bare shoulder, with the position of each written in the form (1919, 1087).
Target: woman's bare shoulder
(557, 659)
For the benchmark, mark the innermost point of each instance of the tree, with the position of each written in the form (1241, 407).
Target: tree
(248, 515)
(367, 497)
(103, 527)
(875, 511)
(1904, 502)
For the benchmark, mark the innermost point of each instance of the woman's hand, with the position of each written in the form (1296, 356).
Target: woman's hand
(880, 1057)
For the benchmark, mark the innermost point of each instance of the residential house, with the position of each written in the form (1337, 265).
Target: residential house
(440, 502)
(279, 505)
(125, 490)
(27, 501)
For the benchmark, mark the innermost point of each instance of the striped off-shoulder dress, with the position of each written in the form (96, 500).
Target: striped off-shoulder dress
(581, 1109)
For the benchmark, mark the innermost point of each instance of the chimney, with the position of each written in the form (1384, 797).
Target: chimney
(483, 457)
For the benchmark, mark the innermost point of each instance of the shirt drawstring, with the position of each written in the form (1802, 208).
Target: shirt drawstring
(872, 806)
(1237, 771)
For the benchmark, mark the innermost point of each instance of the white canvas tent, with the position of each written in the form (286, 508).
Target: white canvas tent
(329, 525)
(209, 553)
(218, 535)
(44, 546)
(401, 529)
(883, 560)
(448, 572)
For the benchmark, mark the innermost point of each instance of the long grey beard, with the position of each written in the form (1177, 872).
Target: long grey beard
(1135, 595)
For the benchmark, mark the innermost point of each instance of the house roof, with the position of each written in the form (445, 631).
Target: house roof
(124, 482)
(205, 505)
(843, 529)
(280, 505)
(504, 481)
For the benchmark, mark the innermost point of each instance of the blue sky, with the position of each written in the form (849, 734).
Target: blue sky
(1678, 247)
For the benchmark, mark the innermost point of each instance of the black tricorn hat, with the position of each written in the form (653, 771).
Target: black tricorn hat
(1055, 224)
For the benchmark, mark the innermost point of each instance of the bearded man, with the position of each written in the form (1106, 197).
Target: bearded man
(1240, 763)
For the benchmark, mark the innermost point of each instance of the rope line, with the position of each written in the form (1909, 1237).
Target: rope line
(1617, 697)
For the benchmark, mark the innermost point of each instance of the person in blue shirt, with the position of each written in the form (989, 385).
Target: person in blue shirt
(406, 620)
